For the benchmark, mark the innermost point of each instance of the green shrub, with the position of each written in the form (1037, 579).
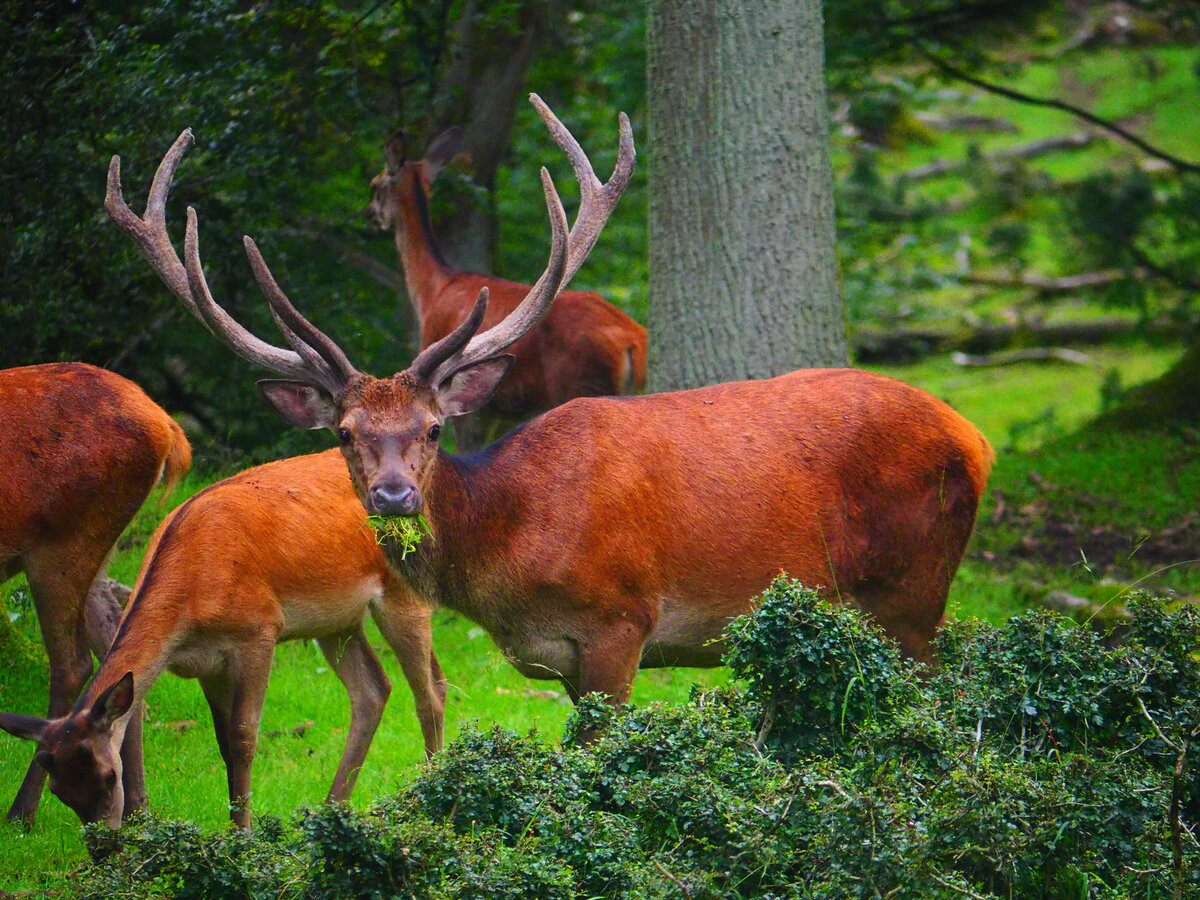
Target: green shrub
(821, 672)
(1036, 762)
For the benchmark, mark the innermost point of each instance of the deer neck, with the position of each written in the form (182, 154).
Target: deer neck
(426, 271)
(143, 645)
(466, 508)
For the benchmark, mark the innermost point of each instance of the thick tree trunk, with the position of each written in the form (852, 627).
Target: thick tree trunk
(484, 78)
(743, 279)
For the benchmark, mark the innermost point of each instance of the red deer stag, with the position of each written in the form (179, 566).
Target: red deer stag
(277, 552)
(80, 450)
(584, 347)
(613, 533)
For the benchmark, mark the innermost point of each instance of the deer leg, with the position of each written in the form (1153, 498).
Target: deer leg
(355, 663)
(218, 691)
(249, 690)
(608, 663)
(133, 768)
(59, 582)
(406, 629)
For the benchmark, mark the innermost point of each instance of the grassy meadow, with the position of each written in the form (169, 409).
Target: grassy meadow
(1069, 509)
(1143, 483)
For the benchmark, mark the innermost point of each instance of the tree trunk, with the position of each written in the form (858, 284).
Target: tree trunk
(490, 53)
(743, 278)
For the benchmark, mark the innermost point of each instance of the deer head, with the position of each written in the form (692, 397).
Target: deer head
(408, 180)
(81, 752)
(388, 428)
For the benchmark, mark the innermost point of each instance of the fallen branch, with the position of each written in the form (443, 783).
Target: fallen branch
(1043, 285)
(903, 345)
(1029, 354)
(1080, 113)
(966, 122)
(1022, 151)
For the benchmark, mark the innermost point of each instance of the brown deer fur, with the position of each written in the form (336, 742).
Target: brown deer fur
(80, 449)
(615, 533)
(277, 552)
(584, 347)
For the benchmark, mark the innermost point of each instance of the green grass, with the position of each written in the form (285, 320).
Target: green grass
(1030, 412)
(1146, 476)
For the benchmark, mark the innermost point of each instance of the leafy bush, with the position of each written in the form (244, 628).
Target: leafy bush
(1035, 763)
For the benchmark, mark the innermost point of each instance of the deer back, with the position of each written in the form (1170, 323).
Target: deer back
(79, 446)
(697, 499)
(284, 544)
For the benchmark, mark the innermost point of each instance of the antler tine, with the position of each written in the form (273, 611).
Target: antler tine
(283, 362)
(435, 354)
(294, 324)
(150, 233)
(596, 200)
(187, 283)
(568, 248)
(532, 309)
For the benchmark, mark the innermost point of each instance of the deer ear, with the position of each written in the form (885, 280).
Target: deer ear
(444, 148)
(30, 728)
(113, 703)
(395, 151)
(472, 386)
(302, 404)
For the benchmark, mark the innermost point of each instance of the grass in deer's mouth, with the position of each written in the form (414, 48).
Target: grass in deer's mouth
(404, 532)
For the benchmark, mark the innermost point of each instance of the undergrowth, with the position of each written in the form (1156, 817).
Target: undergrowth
(1037, 762)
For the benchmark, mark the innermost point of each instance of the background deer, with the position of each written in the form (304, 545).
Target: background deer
(584, 346)
(613, 533)
(277, 552)
(80, 449)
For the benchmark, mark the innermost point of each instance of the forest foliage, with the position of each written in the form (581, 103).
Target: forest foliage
(291, 104)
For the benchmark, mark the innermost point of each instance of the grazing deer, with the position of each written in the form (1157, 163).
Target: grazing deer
(277, 552)
(80, 449)
(616, 533)
(584, 347)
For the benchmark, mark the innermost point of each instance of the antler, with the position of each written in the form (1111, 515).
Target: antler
(314, 357)
(596, 200)
(568, 250)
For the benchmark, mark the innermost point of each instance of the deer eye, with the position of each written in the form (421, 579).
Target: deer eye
(344, 435)
(435, 432)
(110, 779)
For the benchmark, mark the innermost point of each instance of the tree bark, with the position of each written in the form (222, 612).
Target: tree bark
(743, 278)
(490, 53)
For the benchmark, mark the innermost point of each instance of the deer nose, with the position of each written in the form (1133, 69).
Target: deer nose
(394, 499)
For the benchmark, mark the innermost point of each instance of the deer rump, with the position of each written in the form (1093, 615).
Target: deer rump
(673, 511)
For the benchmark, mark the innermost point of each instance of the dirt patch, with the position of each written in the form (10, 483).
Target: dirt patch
(1066, 528)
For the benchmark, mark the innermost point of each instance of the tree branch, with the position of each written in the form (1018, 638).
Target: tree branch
(1111, 127)
(1174, 277)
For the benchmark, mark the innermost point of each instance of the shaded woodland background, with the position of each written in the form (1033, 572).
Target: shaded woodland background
(956, 229)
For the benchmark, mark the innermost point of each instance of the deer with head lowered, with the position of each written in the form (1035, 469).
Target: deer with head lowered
(80, 450)
(278, 552)
(610, 534)
(583, 347)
